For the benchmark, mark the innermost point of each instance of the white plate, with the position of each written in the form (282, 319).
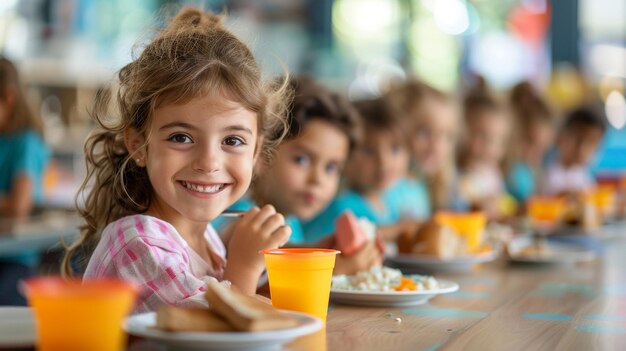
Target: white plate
(142, 325)
(555, 253)
(17, 327)
(391, 298)
(410, 263)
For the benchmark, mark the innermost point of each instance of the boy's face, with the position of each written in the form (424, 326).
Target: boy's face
(378, 162)
(199, 158)
(578, 146)
(304, 173)
(487, 139)
(434, 138)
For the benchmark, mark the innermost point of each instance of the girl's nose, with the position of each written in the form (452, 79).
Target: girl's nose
(208, 159)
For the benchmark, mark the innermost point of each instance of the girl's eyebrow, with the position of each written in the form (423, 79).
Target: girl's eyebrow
(178, 124)
(239, 128)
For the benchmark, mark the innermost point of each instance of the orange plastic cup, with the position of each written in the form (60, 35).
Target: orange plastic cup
(546, 210)
(300, 279)
(470, 225)
(73, 316)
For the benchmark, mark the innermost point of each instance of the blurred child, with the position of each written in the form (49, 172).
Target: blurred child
(194, 117)
(23, 152)
(576, 145)
(303, 175)
(534, 125)
(377, 164)
(482, 150)
(23, 157)
(433, 126)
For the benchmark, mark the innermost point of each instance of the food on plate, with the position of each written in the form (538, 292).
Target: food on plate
(228, 310)
(581, 211)
(439, 240)
(177, 319)
(353, 233)
(245, 312)
(382, 279)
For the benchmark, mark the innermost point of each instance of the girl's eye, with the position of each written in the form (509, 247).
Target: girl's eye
(301, 160)
(233, 141)
(332, 168)
(180, 138)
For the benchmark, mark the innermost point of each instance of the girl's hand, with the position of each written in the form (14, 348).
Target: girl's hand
(257, 230)
(368, 256)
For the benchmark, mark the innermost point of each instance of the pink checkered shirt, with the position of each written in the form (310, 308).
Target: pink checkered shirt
(150, 252)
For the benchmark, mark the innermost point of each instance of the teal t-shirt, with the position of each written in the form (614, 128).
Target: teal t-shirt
(246, 203)
(23, 153)
(324, 223)
(408, 198)
(520, 181)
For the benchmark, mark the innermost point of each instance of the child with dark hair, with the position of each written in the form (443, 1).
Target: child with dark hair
(303, 175)
(378, 165)
(580, 136)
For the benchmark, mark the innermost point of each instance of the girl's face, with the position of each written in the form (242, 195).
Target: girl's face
(304, 174)
(434, 138)
(538, 140)
(487, 139)
(378, 162)
(199, 158)
(577, 146)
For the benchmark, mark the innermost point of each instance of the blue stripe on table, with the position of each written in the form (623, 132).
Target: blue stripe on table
(444, 312)
(602, 329)
(547, 316)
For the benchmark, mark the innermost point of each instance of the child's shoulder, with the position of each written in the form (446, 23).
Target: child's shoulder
(142, 227)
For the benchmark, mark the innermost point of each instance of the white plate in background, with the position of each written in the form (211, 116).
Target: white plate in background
(391, 298)
(554, 252)
(413, 263)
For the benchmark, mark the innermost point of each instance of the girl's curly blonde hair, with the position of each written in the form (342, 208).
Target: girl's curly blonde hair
(195, 55)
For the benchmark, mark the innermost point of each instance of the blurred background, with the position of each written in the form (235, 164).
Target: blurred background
(574, 50)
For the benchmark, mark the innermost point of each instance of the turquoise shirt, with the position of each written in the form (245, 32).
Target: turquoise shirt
(520, 181)
(408, 198)
(23, 153)
(324, 223)
(245, 204)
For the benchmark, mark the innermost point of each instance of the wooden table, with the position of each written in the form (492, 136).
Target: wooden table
(500, 306)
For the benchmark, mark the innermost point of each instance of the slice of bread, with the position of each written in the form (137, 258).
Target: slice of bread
(179, 319)
(245, 313)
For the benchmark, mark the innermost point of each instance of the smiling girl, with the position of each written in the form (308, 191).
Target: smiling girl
(194, 117)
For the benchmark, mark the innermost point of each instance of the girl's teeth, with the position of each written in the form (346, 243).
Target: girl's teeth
(202, 189)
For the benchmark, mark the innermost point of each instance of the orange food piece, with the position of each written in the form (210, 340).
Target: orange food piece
(406, 284)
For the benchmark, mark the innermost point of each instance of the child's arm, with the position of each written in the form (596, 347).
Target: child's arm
(257, 230)
(18, 202)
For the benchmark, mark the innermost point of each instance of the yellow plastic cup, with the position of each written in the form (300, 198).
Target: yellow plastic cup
(604, 197)
(546, 210)
(300, 278)
(469, 225)
(74, 316)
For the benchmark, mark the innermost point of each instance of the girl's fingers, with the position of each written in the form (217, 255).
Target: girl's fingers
(249, 216)
(257, 222)
(280, 236)
(271, 224)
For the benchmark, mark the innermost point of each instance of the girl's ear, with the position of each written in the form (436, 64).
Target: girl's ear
(134, 142)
